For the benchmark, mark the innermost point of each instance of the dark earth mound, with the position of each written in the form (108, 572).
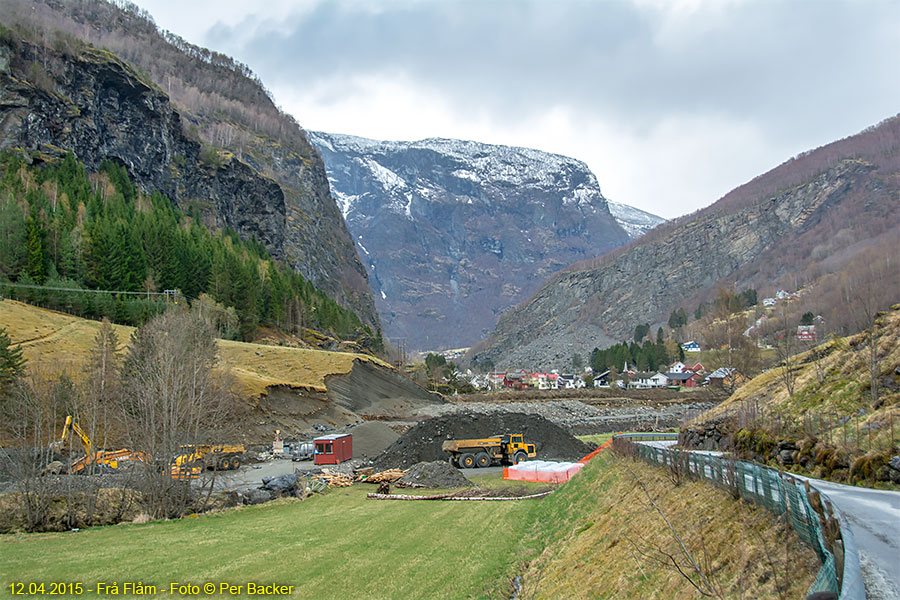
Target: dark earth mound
(436, 474)
(423, 442)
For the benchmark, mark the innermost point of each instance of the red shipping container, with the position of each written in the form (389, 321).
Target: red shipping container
(333, 449)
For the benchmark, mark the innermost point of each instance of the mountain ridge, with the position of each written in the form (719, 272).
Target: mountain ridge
(810, 214)
(454, 232)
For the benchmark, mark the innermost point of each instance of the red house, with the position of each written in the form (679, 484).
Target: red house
(333, 449)
(516, 381)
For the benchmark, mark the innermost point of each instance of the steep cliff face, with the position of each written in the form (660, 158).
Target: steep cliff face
(97, 107)
(455, 232)
(214, 137)
(747, 239)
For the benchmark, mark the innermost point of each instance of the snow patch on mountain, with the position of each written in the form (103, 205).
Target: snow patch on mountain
(633, 220)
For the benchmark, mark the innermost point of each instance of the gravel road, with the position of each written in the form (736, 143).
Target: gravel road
(873, 517)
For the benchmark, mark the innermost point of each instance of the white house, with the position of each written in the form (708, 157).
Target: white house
(768, 302)
(602, 380)
(677, 367)
(648, 380)
(659, 380)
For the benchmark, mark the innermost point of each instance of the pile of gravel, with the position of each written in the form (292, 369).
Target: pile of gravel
(372, 438)
(423, 442)
(435, 474)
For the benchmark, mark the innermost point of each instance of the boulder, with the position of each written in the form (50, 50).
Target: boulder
(283, 484)
(257, 496)
(894, 463)
(786, 457)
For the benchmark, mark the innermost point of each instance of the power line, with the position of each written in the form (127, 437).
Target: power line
(61, 289)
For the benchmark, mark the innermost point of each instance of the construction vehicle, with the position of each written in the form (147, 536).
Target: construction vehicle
(505, 449)
(195, 458)
(108, 458)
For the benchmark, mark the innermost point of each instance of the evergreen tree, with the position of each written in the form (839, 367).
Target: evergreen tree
(12, 363)
(34, 247)
(12, 239)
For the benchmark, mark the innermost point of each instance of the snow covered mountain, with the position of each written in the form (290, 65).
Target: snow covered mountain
(633, 220)
(454, 233)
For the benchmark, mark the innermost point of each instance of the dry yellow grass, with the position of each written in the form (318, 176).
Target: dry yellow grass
(55, 342)
(844, 387)
(607, 543)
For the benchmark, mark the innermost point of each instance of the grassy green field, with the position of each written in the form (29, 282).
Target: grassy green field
(575, 543)
(337, 545)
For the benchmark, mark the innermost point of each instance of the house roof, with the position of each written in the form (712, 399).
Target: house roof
(331, 436)
(721, 373)
(680, 376)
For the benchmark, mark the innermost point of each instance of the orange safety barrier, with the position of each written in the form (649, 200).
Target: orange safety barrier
(599, 449)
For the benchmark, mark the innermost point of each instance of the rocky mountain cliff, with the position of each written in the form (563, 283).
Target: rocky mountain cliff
(456, 232)
(807, 215)
(186, 121)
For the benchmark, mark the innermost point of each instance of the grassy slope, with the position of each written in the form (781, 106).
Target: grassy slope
(845, 389)
(592, 519)
(61, 342)
(342, 545)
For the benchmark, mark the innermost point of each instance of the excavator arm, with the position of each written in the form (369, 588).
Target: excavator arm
(74, 427)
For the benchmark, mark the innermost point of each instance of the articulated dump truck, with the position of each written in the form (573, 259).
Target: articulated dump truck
(195, 458)
(507, 449)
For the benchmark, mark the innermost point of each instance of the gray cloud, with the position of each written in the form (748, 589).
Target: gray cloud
(789, 64)
(704, 98)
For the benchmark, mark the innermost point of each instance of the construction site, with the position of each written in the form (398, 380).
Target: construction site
(341, 467)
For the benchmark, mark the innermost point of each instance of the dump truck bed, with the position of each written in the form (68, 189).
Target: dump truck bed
(454, 445)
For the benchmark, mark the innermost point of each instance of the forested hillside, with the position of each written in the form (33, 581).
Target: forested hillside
(224, 109)
(61, 227)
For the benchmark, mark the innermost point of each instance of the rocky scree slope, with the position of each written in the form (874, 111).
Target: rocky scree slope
(455, 232)
(214, 137)
(821, 207)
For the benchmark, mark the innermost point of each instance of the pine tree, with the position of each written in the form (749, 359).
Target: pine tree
(12, 363)
(34, 247)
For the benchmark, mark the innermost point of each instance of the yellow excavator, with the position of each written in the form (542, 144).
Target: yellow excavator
(109, 458)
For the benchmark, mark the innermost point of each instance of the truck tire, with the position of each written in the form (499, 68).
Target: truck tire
(519, 457)
(235, 463)
(483, 459)
(453, 462)
(467, 461)
(225, 464)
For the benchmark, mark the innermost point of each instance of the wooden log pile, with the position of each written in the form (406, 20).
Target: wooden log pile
(389, 476)
(334, 479)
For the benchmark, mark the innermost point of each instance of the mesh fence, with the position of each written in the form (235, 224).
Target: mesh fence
(763, 486)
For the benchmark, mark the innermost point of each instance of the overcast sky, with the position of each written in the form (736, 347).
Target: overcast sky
(671, 103)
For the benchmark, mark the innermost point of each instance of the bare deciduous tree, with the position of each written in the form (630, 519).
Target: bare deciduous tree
(171, 398)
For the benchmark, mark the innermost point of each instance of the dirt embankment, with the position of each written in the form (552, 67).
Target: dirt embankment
(369, 391)
(580, 418)
(372, 390)
(423, 442)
